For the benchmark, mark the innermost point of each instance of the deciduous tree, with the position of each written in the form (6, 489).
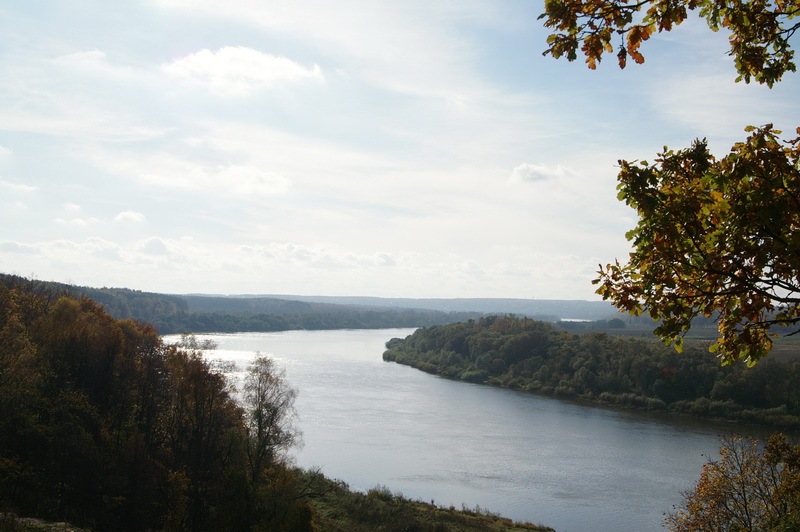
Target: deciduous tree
(750, 488)
(269, 405)
(715, 236)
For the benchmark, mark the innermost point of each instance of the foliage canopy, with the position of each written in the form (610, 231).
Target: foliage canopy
(107, 427)
(716, 237)
(759, 30)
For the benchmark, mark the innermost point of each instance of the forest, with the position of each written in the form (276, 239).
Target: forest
(538, 357)
(106, 427)
(174, 314)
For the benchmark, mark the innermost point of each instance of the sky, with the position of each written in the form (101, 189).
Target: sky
(375, 148)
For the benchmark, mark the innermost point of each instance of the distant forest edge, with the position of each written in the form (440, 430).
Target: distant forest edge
(537, 357)
(172, 314)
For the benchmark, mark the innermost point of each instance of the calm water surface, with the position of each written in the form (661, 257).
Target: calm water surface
(572, 467)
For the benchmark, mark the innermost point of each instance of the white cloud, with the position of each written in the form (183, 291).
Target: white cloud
(16, 247)
(236, 70)
(320, 256)
(531, 173)
(32, 105)
(130, 216)
(248, 180)
(79, 222)
(78, 96)
(90, 57)
(153, 246)
(18, 187)
(244, 181)
(410, 47)
(103, 249)
(5, 152)
(167, 170)
(711, 104)
(96, 64)
(55, 253)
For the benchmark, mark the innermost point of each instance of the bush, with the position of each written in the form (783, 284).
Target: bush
(474, 375)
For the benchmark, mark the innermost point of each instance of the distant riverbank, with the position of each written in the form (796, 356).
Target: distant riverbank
(527, 355)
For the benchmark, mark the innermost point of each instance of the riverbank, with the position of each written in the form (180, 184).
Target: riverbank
(702, 408)
(340, 509)
(603, 369)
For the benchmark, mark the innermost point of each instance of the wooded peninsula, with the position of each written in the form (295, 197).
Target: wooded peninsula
(533, 356)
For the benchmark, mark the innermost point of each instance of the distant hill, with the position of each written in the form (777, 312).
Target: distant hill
(172, 313)
(551, 309)
(255, 305)
(175, 313)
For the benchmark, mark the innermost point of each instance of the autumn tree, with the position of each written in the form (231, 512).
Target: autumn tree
(20, 379)
(202, 425)
(716, 237)
(752, 487)
(105, 426)
(269, 410)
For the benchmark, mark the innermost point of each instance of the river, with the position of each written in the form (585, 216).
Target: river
(573, 467)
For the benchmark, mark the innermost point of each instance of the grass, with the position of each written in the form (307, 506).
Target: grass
(338, 509)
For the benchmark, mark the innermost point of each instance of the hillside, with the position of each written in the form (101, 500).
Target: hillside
(542, 309)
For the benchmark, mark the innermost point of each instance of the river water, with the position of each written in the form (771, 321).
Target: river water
(573, 467)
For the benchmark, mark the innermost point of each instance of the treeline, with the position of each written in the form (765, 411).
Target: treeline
(533, 356)
(172, 314)
(105, 427)
(342, 319)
